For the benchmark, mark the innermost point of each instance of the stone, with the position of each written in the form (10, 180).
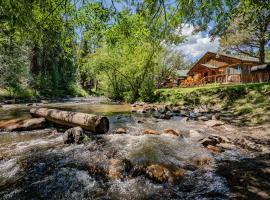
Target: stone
(203, 118)
(133, 109)
(44, 101)
(176, 175)
(213, 149)
(200, 161)
(213, 123)
(121, 131)
(163, 109)
(215, 117)
(185, 119)
(171, 132)
(12, 101)
(176, 109)
(149, 108)
(74, 135)
(158, 172)
(140, 111)
(166, 115)
(115, 169)
(194, 134)
(23, 124)
(213, 140)
(151, 132)
(227, 146)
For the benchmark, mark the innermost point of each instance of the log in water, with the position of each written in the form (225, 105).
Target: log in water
(93, 123)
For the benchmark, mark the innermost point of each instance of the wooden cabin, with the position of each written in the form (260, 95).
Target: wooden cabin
(224, 68)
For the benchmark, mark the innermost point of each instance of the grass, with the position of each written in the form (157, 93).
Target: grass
(250, 101)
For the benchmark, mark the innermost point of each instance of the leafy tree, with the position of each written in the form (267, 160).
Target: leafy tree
(249, 31)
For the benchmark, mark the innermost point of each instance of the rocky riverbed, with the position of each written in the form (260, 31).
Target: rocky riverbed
(150, 152)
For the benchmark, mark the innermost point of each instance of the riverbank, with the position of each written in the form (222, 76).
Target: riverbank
(245, 104)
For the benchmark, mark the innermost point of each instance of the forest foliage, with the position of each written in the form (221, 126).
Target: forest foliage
(119, 48)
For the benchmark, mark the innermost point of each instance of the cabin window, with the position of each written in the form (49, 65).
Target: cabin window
(205, 74)
(234, 70)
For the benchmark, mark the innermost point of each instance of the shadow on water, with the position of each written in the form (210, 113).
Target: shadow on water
(248, 178)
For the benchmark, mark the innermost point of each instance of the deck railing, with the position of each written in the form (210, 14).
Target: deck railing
(221, 78)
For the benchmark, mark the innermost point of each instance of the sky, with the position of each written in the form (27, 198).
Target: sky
(196, 44)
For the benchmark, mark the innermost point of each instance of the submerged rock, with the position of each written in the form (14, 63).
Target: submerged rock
(23, 125)
(121, 131)
(161, 173)
(214, 149)
(74, 135)
(151, 132)
(213, 140)
(214, 123)
(171, 132)
(194, 134)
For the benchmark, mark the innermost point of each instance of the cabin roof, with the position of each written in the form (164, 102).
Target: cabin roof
(260, 67)
(240, 57)
(210, 66)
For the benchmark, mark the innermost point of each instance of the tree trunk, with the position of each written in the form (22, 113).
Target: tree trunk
(262, 51)
(93, 123)
(34, 61)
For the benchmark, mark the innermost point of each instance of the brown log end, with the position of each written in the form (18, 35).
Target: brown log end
(103, 125)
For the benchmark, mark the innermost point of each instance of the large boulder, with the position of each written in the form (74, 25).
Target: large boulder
(23, 124)
(74, 135)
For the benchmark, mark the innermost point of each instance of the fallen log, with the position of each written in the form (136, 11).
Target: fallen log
(93, 123)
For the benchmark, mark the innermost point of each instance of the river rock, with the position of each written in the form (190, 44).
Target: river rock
(22, 125)
(166, 115)
(227, 146)
(171, 132)
(121, 131)
(214, 123)
(176, 109)
(151, 132)
(158, 172)
(164, 109)
(74, 135)
(213, 149)
(115, 169)
(215, 117)
(133, 109)
(213, 140)
(149, 108)
(203, 118)
(199, 161)
(12, 101)
(194, 134)
(185, 119)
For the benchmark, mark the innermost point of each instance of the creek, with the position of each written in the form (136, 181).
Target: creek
(37, 165)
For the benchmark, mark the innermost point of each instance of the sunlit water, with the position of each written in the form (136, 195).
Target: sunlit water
(37, 165)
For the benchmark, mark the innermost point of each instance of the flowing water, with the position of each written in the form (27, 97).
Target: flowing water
(37, 165)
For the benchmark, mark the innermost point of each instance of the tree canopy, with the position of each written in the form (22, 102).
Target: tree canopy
(58, 47)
